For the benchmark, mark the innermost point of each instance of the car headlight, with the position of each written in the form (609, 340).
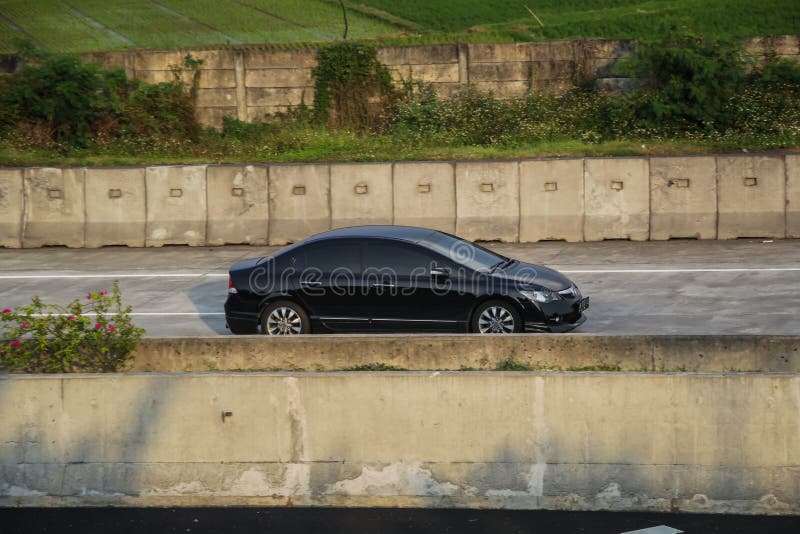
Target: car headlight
(542, 296)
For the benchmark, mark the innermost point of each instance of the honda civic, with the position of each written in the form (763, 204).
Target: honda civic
(397, 279)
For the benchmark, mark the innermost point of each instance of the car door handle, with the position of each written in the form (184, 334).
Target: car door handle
(310, 283)
(382, 285)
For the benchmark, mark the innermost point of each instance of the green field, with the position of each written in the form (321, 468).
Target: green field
(85, 25)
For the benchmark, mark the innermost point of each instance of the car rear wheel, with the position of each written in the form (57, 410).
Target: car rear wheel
(284, 318)
(496, 317)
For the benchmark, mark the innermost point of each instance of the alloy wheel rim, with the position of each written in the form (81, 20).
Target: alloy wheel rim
(496, 320)
(284, 321)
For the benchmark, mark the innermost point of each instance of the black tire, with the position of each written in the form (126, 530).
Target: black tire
(503, 311)
(271, 324)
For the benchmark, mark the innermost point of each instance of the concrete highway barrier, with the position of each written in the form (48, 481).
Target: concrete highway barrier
(792, 196)
(436, 352)
(361, 194)
(572, 199)
(616, 199)
(487, 200)
(238, 207)
(693, 442)
(176, 205)
(551, 200)
(55, 212)
(752, 196)
(116, 207)
(11, 208)
(683, 197)
(299, 202)
(424, 195)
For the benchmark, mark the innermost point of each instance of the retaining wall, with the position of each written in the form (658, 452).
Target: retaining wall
(579, 199)
(249, 82)
(574, 441)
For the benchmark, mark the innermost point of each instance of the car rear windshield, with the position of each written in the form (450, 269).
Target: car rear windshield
(462, 252)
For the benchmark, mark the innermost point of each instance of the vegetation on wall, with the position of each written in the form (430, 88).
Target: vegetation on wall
(351, 87)
(59, 102)
(689, 95)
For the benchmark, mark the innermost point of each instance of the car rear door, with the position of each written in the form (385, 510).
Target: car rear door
(330, 285)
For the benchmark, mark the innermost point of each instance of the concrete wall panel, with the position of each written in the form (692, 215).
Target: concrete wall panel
(361, 193)
(617, 199)
(487, 200)
(551, 200)
(176, 205)
(299, 202)
(54, 207)
(238, 210)
(424, 195)
(11, 206)
(792, 196)
(752, 196)
(683, 198)
(550, 440)
(115, 207)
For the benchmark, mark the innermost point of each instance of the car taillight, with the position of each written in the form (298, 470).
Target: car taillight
(231, 288)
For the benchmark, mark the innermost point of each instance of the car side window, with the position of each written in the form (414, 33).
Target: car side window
(389, 258)
(333, 257)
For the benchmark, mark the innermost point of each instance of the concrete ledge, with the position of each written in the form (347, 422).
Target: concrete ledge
(458, 352)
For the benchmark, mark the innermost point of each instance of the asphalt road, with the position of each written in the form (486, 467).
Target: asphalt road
(669, 287)
(375, 521)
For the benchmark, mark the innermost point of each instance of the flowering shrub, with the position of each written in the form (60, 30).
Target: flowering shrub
(91, 335)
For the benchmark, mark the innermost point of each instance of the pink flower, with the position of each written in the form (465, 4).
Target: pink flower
(15, 343)
(6, 311)
(111, 328)
(24, 325)
(88, 296)
(97, 326)
(71, 318)
(103, 293)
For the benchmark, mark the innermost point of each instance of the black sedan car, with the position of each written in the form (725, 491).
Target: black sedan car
(397, 278)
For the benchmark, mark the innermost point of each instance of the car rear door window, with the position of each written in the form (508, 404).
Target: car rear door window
(333, 257)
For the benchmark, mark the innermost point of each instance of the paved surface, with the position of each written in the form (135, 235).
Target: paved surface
(691, 287)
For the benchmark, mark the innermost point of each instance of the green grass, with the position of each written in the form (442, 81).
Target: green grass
(109, 24)
(562, 19)
(342, 147)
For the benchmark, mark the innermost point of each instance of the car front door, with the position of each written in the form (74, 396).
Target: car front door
(412, 288)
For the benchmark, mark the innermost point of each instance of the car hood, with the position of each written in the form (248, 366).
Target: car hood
(529, 273)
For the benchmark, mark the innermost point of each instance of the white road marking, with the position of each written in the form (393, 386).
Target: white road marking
(111, 275)
(140, 314)
(566, 271)
(670, 271)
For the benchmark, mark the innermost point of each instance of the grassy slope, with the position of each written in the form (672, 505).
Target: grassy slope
(599, 18)
(175, 23)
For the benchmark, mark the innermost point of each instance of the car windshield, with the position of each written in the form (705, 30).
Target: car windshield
(463, 252)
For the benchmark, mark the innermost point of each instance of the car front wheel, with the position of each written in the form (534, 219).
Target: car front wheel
(496, 317)
(284, 318)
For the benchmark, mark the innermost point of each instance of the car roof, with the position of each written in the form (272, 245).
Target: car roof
(411, 234)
